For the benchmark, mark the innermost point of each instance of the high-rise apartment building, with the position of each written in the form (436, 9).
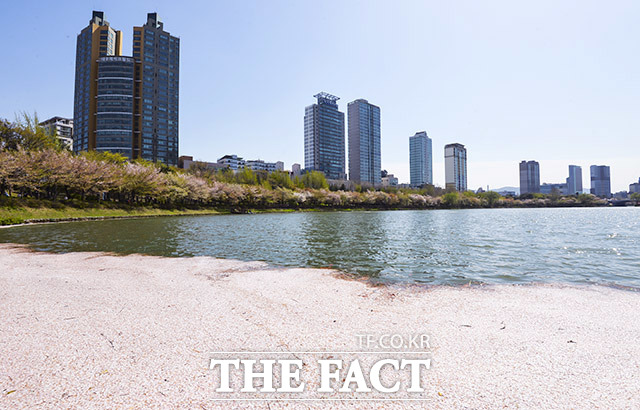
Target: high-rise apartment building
(529, 177)
(127, 105)
(324, 149)
(157, 55)
(601, 181)
(114, 104)
(574, 181)
(364, 142)
(455, 167)
(420, 159)
(96, 40)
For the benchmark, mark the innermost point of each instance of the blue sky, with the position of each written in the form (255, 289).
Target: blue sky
(558, 82)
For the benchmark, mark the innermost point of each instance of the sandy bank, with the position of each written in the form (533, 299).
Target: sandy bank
(82, 330)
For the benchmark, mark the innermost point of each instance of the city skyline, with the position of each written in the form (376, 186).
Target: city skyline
(555, 93)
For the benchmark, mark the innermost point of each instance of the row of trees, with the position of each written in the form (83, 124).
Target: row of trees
(56, 175)
(268, 180)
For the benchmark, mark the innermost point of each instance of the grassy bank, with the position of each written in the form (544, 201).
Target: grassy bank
(14, 211)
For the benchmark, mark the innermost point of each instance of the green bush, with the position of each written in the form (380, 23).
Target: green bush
(11, 220)
(450, 200)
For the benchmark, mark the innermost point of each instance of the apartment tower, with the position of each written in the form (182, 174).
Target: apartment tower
(420, 159)
(95, 41)
(529, 177)
(324, 142)
(601, 181)
(127, 105)
(574, 181)
(157, 56)
(455, 167)
(364, 142)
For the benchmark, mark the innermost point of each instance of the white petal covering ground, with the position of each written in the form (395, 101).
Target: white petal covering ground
(87, 330)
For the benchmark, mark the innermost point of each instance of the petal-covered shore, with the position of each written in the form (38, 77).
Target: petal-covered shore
(86, 329)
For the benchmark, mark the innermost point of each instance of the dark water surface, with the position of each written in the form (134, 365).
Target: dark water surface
(578, 245)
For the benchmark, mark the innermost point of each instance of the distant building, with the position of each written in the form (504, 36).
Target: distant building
(233, 162)
(389, 181)
(574, 181)
(560, 189)
(324, 143)
(255, 165)
(364, 141)
(455, 167)
(260, 165)
(420, 159)
(62, 127)
(529, 177)
(296, 170)
(187, 162)
(635, 187)
(601, 181)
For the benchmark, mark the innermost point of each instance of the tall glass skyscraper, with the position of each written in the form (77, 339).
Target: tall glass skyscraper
(574, 182)
(364, 142)
(601, 181)
(420, 159)
(529, 177)
(324, 149)
(455, 167)
(127, 105)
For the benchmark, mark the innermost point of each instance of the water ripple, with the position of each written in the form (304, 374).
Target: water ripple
(596, 245)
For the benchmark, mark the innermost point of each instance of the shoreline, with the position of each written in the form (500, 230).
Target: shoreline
(224, 211)
(30, 222)
(336, 271)
(14, 211)
(84, 329)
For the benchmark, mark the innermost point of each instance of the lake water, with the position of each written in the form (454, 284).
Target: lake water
(578, 245)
